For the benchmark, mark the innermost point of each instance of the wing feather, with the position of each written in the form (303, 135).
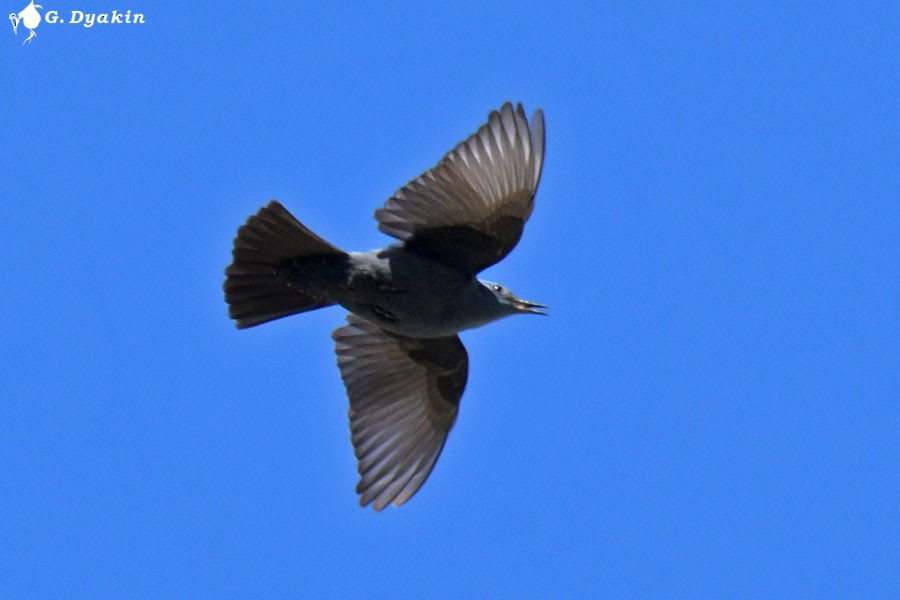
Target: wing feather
(468, 211)
(404, 396)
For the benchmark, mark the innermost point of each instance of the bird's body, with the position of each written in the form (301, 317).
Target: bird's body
(400, 291)
(402, 362)
(410, 295)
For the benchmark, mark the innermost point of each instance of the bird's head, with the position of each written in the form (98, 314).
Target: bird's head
(14, 19)
(510, 304)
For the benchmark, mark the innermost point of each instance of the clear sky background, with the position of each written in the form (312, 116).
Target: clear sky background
(711, 410)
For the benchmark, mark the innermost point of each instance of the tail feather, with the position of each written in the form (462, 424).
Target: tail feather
(258, 287)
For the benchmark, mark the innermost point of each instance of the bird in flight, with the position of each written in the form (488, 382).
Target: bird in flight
(401, 360)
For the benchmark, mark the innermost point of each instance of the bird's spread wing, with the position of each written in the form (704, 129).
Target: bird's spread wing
(404, 395)
(468, 211)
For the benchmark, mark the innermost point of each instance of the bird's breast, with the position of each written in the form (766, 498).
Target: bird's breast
(406, 294)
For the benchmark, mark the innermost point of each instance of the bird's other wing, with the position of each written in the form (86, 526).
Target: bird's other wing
(404, 395)
(468, 211)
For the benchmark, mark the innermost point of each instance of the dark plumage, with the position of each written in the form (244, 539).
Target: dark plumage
(401, 360)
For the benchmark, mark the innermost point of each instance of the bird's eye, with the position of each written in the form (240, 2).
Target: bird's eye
(497, 288)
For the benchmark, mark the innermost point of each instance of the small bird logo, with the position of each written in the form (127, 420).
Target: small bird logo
(30, 17)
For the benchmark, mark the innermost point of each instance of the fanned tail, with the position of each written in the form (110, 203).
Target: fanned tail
(259, 286)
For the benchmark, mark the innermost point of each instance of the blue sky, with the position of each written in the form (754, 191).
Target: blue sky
(711, 410)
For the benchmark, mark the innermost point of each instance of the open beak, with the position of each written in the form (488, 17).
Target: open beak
(534, 308)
